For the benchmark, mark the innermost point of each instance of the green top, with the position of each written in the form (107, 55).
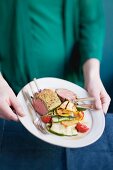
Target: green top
(48, 38)
(37, 38)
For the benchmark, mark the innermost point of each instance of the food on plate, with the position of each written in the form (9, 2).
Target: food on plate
(45, 101)
(59, 113)
(46, 118)
(59, 129)
(81, 127)
(65, 94)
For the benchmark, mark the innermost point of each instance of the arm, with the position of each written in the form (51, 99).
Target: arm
(91, 45)
(7, 96)
(92, 30)
(93, 84)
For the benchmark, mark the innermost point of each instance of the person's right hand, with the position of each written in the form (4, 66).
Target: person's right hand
(8, 100)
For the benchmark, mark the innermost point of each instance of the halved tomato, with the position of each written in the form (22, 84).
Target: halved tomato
(46, 118)
(81, 127)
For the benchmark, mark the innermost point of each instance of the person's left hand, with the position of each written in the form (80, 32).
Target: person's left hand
(96, 89)
(94, 85)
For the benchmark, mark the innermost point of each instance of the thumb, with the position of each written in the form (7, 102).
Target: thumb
(96, 95)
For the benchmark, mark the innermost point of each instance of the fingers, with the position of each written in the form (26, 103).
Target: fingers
(96, 95)
(16, 105)
(7, 99)
(97, 90)
(5, 110)
(102, 99)
(98, 104)
(105, 99)
(7, 113)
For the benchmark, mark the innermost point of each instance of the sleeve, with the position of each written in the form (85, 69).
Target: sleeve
(91, 35)
(6, 7)
(3, 27)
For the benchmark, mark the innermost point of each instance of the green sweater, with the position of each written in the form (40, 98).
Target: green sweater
(47, 30)
(83, 33)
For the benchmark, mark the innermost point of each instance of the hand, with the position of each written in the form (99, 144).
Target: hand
(96, 89)
(94, 85)
(8, 100)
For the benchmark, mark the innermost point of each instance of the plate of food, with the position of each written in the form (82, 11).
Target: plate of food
(56, 112)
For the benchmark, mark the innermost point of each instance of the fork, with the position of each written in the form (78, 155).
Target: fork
(84, 106)
(37, 120)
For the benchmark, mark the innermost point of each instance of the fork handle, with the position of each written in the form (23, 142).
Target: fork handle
(85, 99)
(86, 106)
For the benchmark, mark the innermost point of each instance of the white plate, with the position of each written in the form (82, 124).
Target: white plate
(95, 118)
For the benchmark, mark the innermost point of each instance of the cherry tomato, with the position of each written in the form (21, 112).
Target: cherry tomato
(81, 127)
(46, 118)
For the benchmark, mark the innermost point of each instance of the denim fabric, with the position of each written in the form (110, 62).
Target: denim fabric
(20, 150)
(97, 156)
(1, 131)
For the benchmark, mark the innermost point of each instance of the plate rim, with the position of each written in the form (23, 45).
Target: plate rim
(94, 139)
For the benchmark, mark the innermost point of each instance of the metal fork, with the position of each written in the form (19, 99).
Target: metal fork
(84, 106)
(37, 120)
(38, 124)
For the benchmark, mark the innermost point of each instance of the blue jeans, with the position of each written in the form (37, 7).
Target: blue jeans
(19, 150)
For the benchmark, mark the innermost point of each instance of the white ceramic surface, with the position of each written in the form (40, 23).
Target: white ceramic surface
(95, 119)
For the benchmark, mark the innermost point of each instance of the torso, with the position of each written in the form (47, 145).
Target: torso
(48, 36)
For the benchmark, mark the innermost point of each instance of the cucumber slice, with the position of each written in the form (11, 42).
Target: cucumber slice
(56, 119)
(61, 130)
(80, 108)
(60, 134)
(55, 133)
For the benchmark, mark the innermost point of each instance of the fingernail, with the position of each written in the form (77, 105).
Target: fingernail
(15, 118)
(20, 112)
(23, 114)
